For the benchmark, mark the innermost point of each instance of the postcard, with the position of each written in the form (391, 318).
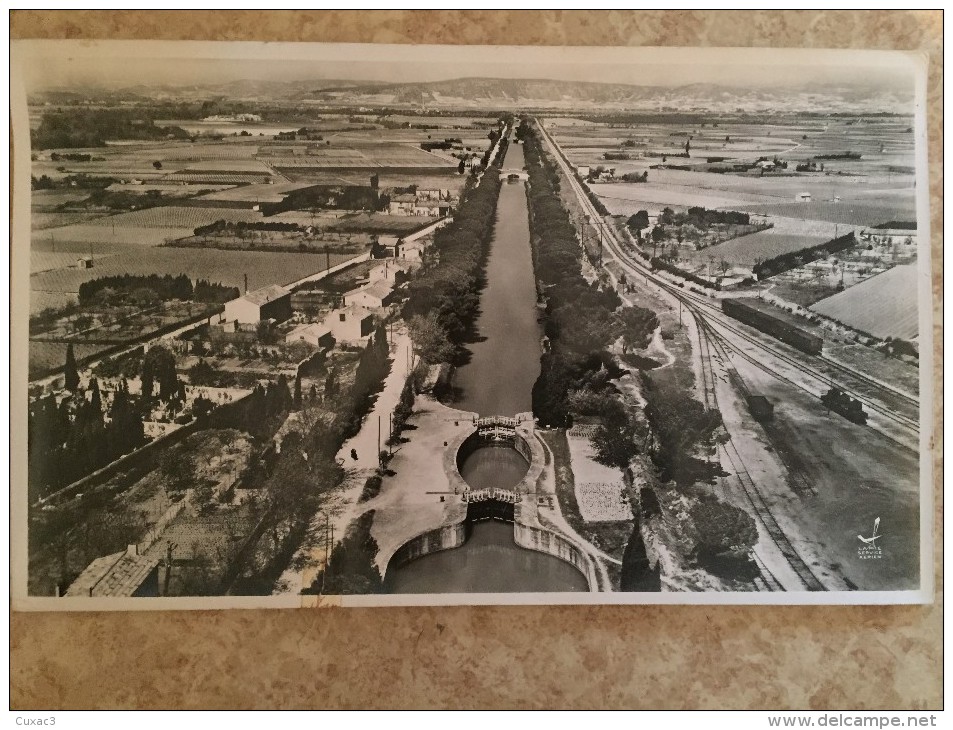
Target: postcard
(304, 325)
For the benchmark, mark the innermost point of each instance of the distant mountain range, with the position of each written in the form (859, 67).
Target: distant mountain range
(495, 93)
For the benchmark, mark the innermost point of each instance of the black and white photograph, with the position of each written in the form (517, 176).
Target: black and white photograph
(338, 324)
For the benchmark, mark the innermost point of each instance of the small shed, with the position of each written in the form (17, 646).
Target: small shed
(86, 262)
(803, 197)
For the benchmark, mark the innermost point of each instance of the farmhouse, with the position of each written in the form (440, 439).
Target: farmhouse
(86, 262)
(803, 197)
(351, 324)
(270, 302)
(393, 272)
(374, 296)
(583, 170)
(413, 251)
(391, 246)
(318, 335)
(431, 208)
(124, 574)
(401, 205)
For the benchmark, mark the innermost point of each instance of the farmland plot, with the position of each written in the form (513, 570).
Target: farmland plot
(42, 220)
(179, 217)
(45, 356)
(225, 267)
(231, 164)
(747, 250)
(884, 305)
(51, 260)
(846, 212)
(87, 236)
(256, 193)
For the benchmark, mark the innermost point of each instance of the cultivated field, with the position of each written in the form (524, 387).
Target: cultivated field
(747, 250)
(256, 193)
(226, 267)
(884, 305)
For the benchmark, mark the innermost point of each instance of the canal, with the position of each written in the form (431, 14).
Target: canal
(504, 364)
(497, 381)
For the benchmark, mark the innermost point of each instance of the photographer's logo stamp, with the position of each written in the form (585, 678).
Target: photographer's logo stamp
(869, 549)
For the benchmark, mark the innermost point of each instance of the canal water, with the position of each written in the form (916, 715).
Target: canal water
(497, 381)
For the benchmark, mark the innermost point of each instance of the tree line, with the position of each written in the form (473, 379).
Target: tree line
(73, 437)
(582, 320)
(791, 260)
(92, 127)
(224, 226)
(164, 287)
(445, 294)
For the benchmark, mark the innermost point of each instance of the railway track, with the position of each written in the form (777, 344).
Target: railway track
(887, 392)
(707, 337)
(635, 267)
(711, 348)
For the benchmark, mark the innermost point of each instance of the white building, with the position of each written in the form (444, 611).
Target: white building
(803, 197)
(270, 302)
(373, 296)
(394, 272)
(351, 324)
(316, 335)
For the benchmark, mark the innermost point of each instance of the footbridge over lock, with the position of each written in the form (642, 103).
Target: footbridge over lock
(513, 174)
(502, 428)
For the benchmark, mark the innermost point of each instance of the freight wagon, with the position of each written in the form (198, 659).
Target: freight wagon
(771, 324)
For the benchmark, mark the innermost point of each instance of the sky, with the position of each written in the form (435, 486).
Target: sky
(124, 64)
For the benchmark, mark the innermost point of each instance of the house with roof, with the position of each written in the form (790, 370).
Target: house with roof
(373, 296)
(269, 302)
(388, 247)
(401, 204)
(395, 272)
(434, 208)
(124, 574)
(413, 251)
(350, 324)
(315, 334)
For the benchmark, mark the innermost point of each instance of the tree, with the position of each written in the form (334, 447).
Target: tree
(722, 530)
(157, 165)
(178, 469)
(158, 365)
(431, 343)
(637, 574)
(680, 424)
(95, 398)
(638, 221)
(331, 383)
(638, 327)
(70, 373)
(297, 393)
